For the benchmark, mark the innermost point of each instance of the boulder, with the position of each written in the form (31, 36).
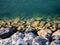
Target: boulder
(56, 42)
(56, 35)
(40, 41)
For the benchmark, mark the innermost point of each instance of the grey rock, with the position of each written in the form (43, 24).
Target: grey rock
(17, 39)
(21, 42)
(3, 30)
(40, 41)
(29, 37)
(56, 42)
(6, 41)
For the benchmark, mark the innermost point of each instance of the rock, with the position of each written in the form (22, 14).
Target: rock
(9, 33)
(56, 35)
(6, 41)
(29, 42)
(3, 30)
(40, 41)
(21, 42)
(29, 37)
(32, 29)
(44, 33)
(56, 42)
(0, 42)
(21, 35)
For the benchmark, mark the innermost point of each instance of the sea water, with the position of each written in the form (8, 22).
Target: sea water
(29, 8)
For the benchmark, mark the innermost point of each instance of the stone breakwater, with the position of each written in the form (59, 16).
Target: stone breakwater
(30, 38)
(29, 32)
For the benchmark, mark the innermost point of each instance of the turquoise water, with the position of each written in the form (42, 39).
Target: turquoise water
(29, 8)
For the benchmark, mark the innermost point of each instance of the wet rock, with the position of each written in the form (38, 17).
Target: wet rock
(56, 42)
(40, 41)
(56, 35)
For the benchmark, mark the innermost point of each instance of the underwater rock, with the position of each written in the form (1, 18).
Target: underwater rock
(56, 42)
(40, 41)
(56, 35)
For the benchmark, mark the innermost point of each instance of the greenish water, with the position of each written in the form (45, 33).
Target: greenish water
(29, 8)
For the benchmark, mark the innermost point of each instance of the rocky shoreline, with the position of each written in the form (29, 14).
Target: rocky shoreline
(30, 32)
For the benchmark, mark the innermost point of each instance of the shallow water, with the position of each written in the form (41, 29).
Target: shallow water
(29, 8)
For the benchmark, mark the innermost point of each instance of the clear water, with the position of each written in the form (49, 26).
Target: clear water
(29, 8)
